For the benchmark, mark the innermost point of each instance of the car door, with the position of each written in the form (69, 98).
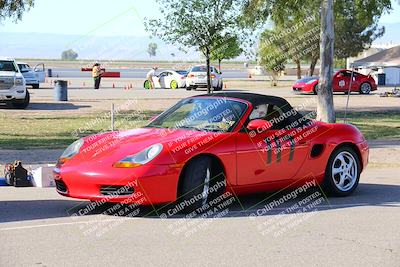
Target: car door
(40, 72)
(341, 81)
(270, 155)
(168, 79)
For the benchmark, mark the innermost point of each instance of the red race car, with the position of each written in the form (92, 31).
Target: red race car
(341, 82)
(208, 145)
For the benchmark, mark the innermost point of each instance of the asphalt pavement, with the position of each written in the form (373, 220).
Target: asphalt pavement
(38, 228)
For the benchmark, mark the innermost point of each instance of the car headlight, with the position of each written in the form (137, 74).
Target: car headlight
(19, 81)
(71, 151)
(138, 159)
(311, 81)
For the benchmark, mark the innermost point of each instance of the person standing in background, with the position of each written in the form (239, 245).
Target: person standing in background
(96, 74)
(150, 76)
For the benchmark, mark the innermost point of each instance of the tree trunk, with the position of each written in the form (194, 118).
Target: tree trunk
(208, 71)
(325, 108)
(219, 64)
(313, 63)
(298, 64)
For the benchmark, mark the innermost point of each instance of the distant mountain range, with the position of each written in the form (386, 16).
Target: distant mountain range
(43, 45)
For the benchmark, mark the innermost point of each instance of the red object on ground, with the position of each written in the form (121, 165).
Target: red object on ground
(341, 82)
(111, 74)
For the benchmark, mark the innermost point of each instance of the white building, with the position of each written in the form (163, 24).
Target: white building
(386, 61)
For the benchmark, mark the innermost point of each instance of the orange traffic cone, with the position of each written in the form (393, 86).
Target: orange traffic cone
(249, 75)
(130, 86)
(113, 85)
(225, 86)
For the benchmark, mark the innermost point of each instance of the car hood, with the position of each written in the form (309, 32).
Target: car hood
(10, 74)
(113, 146)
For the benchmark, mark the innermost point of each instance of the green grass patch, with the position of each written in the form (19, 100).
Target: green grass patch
(58, 132)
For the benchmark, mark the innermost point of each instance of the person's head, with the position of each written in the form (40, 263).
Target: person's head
(155, 68)
(96, 64)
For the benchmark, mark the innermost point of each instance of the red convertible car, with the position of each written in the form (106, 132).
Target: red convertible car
(363, 84)
(207, 145)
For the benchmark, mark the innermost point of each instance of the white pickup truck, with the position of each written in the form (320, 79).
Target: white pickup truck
(33, 76)
(12, 84)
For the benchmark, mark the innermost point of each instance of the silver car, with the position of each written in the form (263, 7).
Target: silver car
(197, 78)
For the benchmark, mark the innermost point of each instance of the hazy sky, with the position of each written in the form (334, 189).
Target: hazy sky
(94, 17)
(102, 17)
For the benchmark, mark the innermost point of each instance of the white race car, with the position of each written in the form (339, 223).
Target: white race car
(12, 84)
(197, 77)
(33, 76)
(171, 79)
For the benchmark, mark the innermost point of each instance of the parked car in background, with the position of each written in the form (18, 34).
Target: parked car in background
(197, 78)
(168, 79)
(33, 76)
(12, 84)
(361, 83)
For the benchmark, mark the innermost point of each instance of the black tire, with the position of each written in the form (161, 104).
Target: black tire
(331, 178)
(365, 88)
(201, 173)
(188, 88)
(24, 103)
(219, 87)
(35, 86)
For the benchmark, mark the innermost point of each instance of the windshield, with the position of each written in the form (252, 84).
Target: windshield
(182, 72)
(202, 114)
(201, 69)
(23, 67)
(6, 65)
(307, 79)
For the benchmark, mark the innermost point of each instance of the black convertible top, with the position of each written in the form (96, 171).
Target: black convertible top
(254, 99)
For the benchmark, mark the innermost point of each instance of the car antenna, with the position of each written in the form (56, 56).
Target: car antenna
(348, 93)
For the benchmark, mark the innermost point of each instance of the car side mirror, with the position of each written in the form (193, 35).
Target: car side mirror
(259, 125)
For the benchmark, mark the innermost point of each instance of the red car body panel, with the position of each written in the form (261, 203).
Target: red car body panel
(242, 157)
(340, 83)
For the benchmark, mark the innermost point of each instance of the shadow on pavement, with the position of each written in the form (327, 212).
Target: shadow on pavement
(366, 195)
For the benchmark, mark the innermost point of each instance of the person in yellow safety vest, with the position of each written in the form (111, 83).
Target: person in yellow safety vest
(96, 74)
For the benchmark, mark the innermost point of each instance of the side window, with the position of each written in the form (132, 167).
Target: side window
(271, 113)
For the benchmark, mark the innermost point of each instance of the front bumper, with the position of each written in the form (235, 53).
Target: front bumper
(14, 93)
(152, 184)
(363, 147)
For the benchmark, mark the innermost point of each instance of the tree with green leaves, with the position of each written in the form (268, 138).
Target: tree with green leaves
(354, 30)
(14, 8)
(152, 49)
(227, 48)
(69, 55)
(198, 24)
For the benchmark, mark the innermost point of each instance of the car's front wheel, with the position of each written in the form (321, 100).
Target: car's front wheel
(342, 172)
(365, 88)
(22, 104)
(202, 182)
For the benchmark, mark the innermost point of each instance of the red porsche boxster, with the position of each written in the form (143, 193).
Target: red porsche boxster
(208, 145)
(363, 84)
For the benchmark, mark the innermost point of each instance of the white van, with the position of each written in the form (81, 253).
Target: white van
(33, 77)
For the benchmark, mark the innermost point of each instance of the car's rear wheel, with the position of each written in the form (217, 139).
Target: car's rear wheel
(200, 175)
(342, 172)
(22, 104)
(174, 84)
(147, 84)
(365, 88)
